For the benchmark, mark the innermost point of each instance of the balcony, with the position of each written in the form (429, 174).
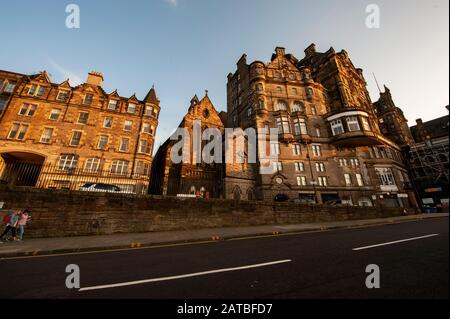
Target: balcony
(357, 138)
(352, 128)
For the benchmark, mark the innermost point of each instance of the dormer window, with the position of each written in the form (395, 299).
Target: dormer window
(36, 90)
(131, 108)
(365, 123)
(32, 90)
(88, 99)
(63, 95)
(112, 105)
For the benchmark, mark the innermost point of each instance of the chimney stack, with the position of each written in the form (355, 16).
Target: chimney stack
(95, 78)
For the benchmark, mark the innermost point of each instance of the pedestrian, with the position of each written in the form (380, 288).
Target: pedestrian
(23, 219)
(11, 224)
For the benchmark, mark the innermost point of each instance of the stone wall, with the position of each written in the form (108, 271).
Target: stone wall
(65, 213)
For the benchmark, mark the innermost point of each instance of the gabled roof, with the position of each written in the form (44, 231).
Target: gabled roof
(435, 128)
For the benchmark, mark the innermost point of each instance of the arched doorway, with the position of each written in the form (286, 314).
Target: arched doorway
(21, 168)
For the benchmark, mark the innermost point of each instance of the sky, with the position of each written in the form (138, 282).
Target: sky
(184, 47)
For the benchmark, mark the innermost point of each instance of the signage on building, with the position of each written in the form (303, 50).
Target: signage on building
(402, 195)
(433, 190)
(427, 201)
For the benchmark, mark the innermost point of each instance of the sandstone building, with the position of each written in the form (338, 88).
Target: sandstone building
(190, 178)
(331, 146)
(82, 131)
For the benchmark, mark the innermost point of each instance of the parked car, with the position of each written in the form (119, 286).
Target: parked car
(281, 198)
(100, 187)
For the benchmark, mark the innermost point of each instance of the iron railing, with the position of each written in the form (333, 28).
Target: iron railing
(16, 173)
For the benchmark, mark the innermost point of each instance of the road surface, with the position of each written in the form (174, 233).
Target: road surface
(412, 258)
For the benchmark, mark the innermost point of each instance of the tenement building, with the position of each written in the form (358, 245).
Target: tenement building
(429, 161)
(191, 176)
(59, 136)
(330, 148)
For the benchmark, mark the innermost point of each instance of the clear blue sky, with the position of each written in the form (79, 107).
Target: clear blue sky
(187, 46)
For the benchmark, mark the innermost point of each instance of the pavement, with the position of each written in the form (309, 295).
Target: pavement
(411, 257)
(48, 246)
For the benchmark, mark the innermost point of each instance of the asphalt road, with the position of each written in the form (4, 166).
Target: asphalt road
(311, 265)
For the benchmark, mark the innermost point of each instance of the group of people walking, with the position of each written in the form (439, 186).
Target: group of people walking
(16, 221)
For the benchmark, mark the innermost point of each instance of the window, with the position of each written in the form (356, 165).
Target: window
(296, 150)
(337, 127)
(40, 91)
(313, 110)
(112, 105)
(301, 180)
(63, 95)
(119, 167)
(299, 167)
(297, 107)
(354, 162)
(309, 93)
(46, 135)
(320, 167)
(348, 179)
(281, 106)
(144, 147)
(128, 126)
(275, 149)
(300, 127)
(359, 180)
(108, 122)
(249, 112)
(76, 138)
(28, 109)
(318, 134)
(323, 181)
(124, 144)
(365, 123)
(18, 131)
(283, 125)
(9, 88)
(294, 91)
(148, 110)
(88, 99)
(3, 101)
(92, 165)
(67, 162)
(352, 123)
(343, 162)
(54, 114)
(279, 90)
(32, 90)
(317, 150)
(259, 87)
(277, 166)
(83, 117)
(152, 130)
(131, 108)
(102, 142)
(385, 176)
(142, 168)
(146, 128)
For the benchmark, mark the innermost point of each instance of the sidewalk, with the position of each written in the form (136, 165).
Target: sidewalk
(48, 246)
